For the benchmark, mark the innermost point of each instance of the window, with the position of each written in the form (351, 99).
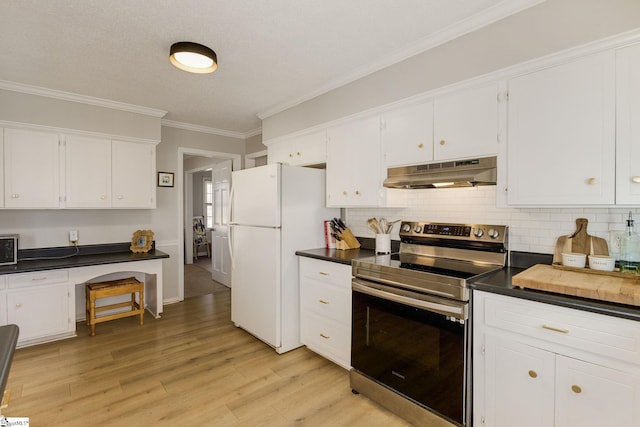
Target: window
(207, 197)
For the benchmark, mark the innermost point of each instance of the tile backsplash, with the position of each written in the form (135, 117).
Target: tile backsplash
(530, 229)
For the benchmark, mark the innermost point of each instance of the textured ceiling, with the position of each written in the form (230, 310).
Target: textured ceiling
(271, 53)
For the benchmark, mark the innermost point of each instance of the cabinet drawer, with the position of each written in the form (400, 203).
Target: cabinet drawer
(326, 337)
(48, 277)
(326, 300)
(595, 333)
(326, 271)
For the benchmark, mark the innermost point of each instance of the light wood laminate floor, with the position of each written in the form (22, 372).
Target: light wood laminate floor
(192, 367)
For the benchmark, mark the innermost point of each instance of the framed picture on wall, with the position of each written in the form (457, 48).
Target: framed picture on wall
(165, 179)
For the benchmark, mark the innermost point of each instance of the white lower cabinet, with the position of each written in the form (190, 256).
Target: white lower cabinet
(325, 309)
(41, 304)
(540, 365)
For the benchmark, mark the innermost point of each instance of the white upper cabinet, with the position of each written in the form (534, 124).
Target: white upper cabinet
(561, 134)
(88, 167)
(133, 180)
(354, 166)
(304, 150)
(465, 124)
(31, 169)
(628, 125)
(407, 135)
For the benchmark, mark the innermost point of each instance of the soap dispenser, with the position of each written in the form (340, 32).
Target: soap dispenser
(630, 249)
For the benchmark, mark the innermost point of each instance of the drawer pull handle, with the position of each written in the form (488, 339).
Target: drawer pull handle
(326, 337)
(323, 301)
(38, 279)
(322, 273)
(18, 305)
(576, 389)
(551, 328)
(533, 374)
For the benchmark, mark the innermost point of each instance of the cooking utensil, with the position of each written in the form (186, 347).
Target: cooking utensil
(374, 225)
(383, 225)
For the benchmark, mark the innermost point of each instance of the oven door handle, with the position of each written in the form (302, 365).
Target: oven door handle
(458, 312)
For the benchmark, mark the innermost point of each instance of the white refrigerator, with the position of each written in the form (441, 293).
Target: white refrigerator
(275, 210)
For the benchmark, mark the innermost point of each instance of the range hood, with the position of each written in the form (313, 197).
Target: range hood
(460, 173)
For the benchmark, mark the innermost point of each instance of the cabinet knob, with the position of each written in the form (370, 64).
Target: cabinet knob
(420, 145)
(15, 196)
(442, 142)
(533, 374)
(298, 154)
(120, 197)
(291, 155)
(344, 193)
(576, 389)
(103, 197)
(635, 179)
(592, 181)
(18, 305)
(357, 193)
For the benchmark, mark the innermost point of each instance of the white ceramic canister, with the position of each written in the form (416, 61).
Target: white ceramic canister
(383, 243)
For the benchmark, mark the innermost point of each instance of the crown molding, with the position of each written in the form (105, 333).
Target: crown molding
(210, 130)
(468, 25)
(67, 131)
(82, 99)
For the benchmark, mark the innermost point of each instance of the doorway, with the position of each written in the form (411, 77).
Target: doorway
(184, 179)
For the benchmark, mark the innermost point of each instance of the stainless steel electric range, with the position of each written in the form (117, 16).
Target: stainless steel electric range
(411, 337)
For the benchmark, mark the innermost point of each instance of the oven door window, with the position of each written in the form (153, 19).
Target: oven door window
(418, 353)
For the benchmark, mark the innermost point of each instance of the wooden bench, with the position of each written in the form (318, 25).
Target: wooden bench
(112, 288)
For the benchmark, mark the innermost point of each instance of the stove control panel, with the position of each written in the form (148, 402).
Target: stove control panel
(469, 232)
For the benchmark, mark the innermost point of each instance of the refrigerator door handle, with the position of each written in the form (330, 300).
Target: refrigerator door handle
(229, 240)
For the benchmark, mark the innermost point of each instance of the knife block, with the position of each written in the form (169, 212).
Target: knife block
(348, 240)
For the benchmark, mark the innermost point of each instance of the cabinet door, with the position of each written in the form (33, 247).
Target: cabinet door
(407, 135)
(353, 164)
(133, 180)
(628, 125)
(40, 311)
(466, 124)
(592, 395)
(561, 134)
(519, 384)
(280, 152)
(32, 169)
(88, 166)
(304, 150)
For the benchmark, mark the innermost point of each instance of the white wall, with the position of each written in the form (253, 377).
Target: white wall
(530, 230)
(546, 28)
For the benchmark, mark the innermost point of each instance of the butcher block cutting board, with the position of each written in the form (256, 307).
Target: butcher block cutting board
(580, 284)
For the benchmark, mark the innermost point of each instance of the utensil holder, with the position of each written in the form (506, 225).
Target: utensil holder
(383, 243)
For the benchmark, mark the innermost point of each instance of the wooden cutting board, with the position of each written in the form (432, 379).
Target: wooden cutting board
(581, 284)
(581, 242)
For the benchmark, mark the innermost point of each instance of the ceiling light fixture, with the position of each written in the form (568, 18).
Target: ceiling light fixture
(193, 57)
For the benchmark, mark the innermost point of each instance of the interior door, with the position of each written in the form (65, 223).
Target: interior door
(220, 257)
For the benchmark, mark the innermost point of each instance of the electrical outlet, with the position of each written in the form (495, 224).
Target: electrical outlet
(73, 236)
(614, 242)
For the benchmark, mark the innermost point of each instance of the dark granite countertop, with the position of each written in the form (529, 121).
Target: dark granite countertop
(30, 260)
(337, 255)
(366, 249)
(500, 283)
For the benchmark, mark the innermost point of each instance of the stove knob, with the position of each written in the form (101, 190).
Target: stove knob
(406, 228)
(417, 229)
(478, 233)
(493, 233)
